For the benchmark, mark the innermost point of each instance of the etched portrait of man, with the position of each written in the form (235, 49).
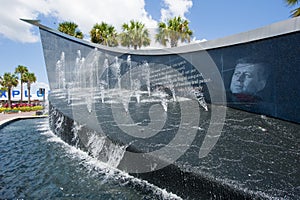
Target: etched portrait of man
(249, 79)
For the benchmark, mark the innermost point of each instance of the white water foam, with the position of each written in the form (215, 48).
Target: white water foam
(93, 164)
(96, 144)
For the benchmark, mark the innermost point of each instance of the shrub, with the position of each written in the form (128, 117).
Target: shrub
(22, 109)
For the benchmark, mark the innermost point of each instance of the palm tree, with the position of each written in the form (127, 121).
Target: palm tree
(29, 78)
(70, 29)
(134, 35)
(21, 70)
(176, 29)
(8, 81)
(104, 34)
(295, 12)
(2, 88)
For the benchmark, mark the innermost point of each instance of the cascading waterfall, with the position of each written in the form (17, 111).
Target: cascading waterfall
(198, 93)
(115, 154)
(164, 104)
(171, 86)
(89, 80)
(96, 144)
(75, 130)
(58, 124)
(106, 151)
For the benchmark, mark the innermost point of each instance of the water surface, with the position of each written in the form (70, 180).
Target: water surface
(34, 164)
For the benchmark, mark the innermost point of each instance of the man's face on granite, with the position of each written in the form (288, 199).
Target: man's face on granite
(248, 78)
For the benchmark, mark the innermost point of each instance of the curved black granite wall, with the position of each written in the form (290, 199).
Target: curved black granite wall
(203, 121)
(275, 94)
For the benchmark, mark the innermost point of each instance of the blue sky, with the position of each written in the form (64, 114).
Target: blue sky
(20, 43)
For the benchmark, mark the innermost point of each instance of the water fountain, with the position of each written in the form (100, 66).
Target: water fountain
(102, 92)
(106, 67)
(136, 89)
(198, 94)
(146, 75)
(129, 64)
(60, 71)
(224, 158)
(78, 63)
(117, 71)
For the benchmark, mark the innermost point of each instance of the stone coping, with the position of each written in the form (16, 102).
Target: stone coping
(7, 118)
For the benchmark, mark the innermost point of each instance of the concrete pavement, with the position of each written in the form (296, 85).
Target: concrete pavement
(7, 118)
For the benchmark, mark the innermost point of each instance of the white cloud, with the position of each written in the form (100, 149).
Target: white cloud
(87, 13)
(175, 8)
(12, 10)
(84, 13)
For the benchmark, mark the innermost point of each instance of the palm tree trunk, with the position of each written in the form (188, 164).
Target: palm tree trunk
(21, 91)
(173, 43)
(28, 93)
(9, 97)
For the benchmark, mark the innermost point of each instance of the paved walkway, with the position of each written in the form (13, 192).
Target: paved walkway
(6, 118)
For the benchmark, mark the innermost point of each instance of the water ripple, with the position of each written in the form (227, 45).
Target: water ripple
(35, 164)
